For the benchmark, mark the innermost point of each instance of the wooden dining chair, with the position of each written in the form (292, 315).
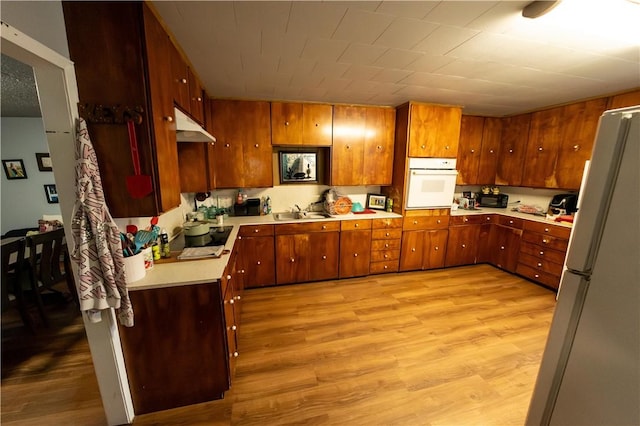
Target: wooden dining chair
(13, 269)
(49, 266)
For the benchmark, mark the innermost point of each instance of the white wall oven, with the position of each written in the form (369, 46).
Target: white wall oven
(431, 183)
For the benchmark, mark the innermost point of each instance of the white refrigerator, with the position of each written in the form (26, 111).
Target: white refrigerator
(590, 369)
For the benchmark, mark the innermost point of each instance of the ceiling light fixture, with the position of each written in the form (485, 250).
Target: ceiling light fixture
(538, 8)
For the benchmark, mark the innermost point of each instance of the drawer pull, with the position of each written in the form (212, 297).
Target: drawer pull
(466, 220)
(537, 276)
(356, 225)
(324, 226)
(234, 328)
(501, 247)
(438, 221)
(256, 231)
(539, 265)
(541, 253)
(488, 217)
(228, 277)
(387, 234)
(235, 354)
(386, 267)
(386, 246)
(545, 241)
(386, 256)
(258, 263)
(355, 254)
(546, 229)
(292, 260)
(324, 257)
(239, 237)
(510, 222)
(464, 246)
(436, 248)
(413, 249)
(231, 301)
(415, 222)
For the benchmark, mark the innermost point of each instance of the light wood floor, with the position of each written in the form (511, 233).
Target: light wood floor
(447, 347)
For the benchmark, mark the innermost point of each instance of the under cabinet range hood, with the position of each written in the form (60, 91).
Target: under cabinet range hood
(188, 130)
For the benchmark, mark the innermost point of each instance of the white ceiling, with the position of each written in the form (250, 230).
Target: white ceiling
(482, 55)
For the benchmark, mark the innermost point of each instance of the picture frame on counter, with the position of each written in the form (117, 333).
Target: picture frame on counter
(298, 167)
(14, 169)
(44, 162)
(52, 194)
(376, 201)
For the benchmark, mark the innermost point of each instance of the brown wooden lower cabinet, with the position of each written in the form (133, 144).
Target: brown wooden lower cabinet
(176, 354)
(542, 252)
(462, 245)
(306, 251)
(386, 235)
(504, 243)
(355, 248)
(257, 255)
(425, 249)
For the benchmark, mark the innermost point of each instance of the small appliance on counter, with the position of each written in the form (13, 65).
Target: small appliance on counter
(249, 208)
(562, 204)
(493, 200)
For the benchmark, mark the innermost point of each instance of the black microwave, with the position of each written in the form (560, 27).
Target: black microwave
(493, 200)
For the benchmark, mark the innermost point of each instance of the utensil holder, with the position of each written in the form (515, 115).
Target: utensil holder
(134, 267)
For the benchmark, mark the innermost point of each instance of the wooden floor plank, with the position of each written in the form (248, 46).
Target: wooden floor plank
(452, 346)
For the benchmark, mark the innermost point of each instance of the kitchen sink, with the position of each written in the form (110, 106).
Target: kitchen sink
(289, 216)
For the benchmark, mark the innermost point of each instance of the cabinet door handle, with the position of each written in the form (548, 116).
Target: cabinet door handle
(259, 263)
(540, 149)
(355, 254)
(234, 328)
(379, 147)
(541, 253)
(545, 241)
(231, 301)
(356, 225)
(510, 151)
(413, 249)
(501, 247)
(257, 145)
(387, 234)
(386, 256)
(464, 246)
(317, 124)
(169, 118)
(386, 246)
(386, 267)
(436, 248)
(238, 297)
(286, 123)
(292, 260)
(576, 147)
(446, 147)
(324, 257)
(235, 354)
(473, 150)
(539, 265)
(228, 277)
(256, 231)
(490, 151)
(183, 80)
(422, 146)
(226, 145)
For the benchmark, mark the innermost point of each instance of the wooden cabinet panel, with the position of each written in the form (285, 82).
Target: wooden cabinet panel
(513, 144)
(196, 97)
(472, 219)
(362, 152)
(624, 100)
(545, 136)
(386, 223)
(355, 225)
(292, 258)
(547, 229)
(425, 222)
(469, 149)
(542, 277)
(390, 243)
(286, 123)
(412, 250)
(256, 230)
(491, 135)
(506, 248)
(324, 255)
(258, 261)
(462, 245)
(299, 228)
(241, 157)
(434, 249)
(579, 132)
(179, 79)
(199, 366)
(434, 130)
(545, 240)
(347, 155)
(301, 124)
(133, 60)
(378, 146)
(512, 222)
(551, 255)
(194, 167)
(317, 125)
(355, 253)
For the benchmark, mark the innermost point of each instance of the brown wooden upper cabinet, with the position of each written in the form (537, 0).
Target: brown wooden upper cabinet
(434, 130)
(560, 141)
(131, 69)
(622, 100)
(513, 145)
(362, 152)
(301, 124)
(241, 156)
(179, 78)
(478, 150)
(196, 97)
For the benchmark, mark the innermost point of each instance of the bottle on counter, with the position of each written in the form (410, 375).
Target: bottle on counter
(165, 249)
(390, 205)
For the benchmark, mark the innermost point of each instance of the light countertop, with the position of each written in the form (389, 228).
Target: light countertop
(187, 272)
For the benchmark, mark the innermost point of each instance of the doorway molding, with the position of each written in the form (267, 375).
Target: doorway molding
(58, 95)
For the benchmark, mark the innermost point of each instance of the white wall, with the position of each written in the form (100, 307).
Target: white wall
(41, 20)
(23, 200)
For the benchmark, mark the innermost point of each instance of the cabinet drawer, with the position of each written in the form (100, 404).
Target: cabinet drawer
(355, 225)
(556, 256)
(538, 276)
(385, 244)
(255, 230)
(512, 222)
(541, 264)
(547, 229)
(386, 234)
(383, 267)
(545, 240)
(472, 219)
(384, 255)
(425, 222)
(386, 223)
(301, 228)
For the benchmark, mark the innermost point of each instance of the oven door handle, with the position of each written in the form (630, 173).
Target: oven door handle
(433, 172)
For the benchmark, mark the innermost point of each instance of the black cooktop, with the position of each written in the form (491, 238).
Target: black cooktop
(217, 236)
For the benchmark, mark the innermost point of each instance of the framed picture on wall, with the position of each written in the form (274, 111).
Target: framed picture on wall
(44, 162)
(51, 193)
(14, 169)
(298, 167)
(376, 201)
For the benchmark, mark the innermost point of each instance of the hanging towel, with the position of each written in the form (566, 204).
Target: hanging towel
(97, 249)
